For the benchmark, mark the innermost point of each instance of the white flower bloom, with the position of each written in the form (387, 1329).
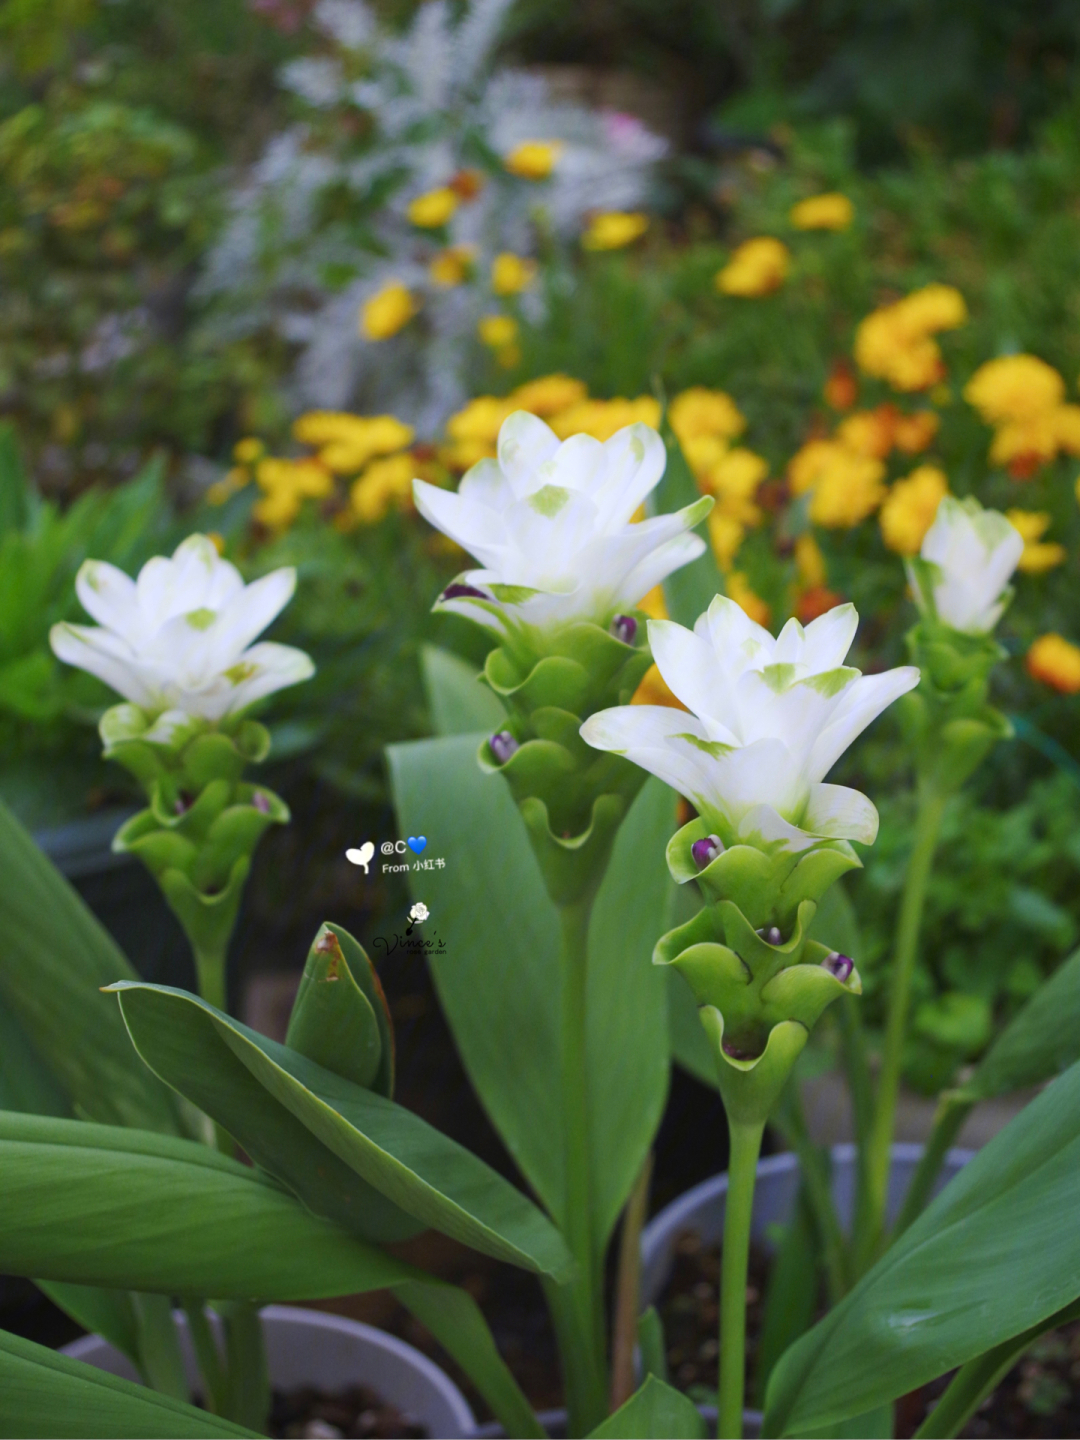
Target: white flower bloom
(769, 720)
(419, 913)
(550, 520)
(962, 574)
(175, 639)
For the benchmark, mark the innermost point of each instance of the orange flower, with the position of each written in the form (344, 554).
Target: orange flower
(841, 389)
(869, 432)
(1056, 662)
(913, 433)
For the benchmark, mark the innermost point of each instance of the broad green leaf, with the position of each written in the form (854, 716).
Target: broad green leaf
(106, 1205)
(307, 1118)
(653, 1412)
(650, 1334)
(499, 980)
(340, 1018)
(43, 1393)
(690, 590)
(54, 959)
(26, 1082)
(109, 1313)
(460, 704)
(1042, 1039)
(996, 1252)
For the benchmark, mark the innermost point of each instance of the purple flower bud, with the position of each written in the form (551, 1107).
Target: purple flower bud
(624, 628)
(261, 802)
(771, 935)
(705, 851)
(460, 592)
(503, 746)
(839, 965)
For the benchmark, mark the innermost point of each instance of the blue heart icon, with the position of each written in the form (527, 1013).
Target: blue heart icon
(416, 843)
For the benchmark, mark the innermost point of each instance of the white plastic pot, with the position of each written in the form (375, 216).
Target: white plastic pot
(701, 1210)
(330, 1353)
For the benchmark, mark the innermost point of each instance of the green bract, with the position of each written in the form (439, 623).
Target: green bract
(571, 797)
(757, 1001)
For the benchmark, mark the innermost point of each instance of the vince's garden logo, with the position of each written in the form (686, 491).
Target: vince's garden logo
(410, 941)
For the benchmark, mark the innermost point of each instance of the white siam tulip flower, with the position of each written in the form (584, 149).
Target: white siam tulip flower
(961, 576)
(769, 719)
(550, 522)
(177, 638)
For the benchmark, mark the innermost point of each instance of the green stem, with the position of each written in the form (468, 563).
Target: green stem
(210, 976)
(953, 1110)
(628, 1288)
(210, 973)
(853, 1054)
(879, 1149)
(583, 1322)
(207, 1357)
(813, 1165)
(734, 1263)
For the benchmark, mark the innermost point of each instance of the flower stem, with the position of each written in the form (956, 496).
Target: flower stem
(210, 976)
(583, 1347)
(928, 820)
(628, 1288)
(734, 1263)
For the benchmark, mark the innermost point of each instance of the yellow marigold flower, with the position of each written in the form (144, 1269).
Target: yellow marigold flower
(912, 433)
(869, 432)
(844, 487)
(1056, 662)
(738, 589)
(654, 604)
(497, 331)
(603, 418)
(654, 690)
(434, 208)
(511, 273)
(549, 394)
(734, 481)
(481, 419)
(823, 212)
(1036, 558)
(277, 510)
(1014, 388)
(534, 159)
(451, 266)
(385, 484)
(698, 411)
(810, 562)
(323, 427)
(387, 312)
(702, 452)
(303, 478)
(248, 450)
(382, 435)
(462, 455)
(1025, 445)
(614, 229)
(726, 534)
(1067, 425)
(894, 341)
(757, 267)
(910, 507)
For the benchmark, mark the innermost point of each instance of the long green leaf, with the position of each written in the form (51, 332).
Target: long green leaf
(46, 1394)
(997, 1252)
(653, 1412)
(223, 1066)
(1042, 1040)
(499, 980)
(460, 704)
(131, 1209)
(54, 959)
(689, 591)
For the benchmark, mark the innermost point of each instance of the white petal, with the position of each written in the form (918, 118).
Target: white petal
(485, 484)
(109, 597)
(690, 668)
(547, 530)
(648, 735)
(89, 649)
(739, 642)
(634, 460)
(841, 814)
(764, 773)
(262, 670)
(475, 527)
(795, 713)
(578, 464)
(827, 640)
(862, 702)
(763, 825)
(525, 443)
(657, 566)
(251, 611)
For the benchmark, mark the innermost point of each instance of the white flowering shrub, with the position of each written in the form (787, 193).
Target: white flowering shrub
(417, 165)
